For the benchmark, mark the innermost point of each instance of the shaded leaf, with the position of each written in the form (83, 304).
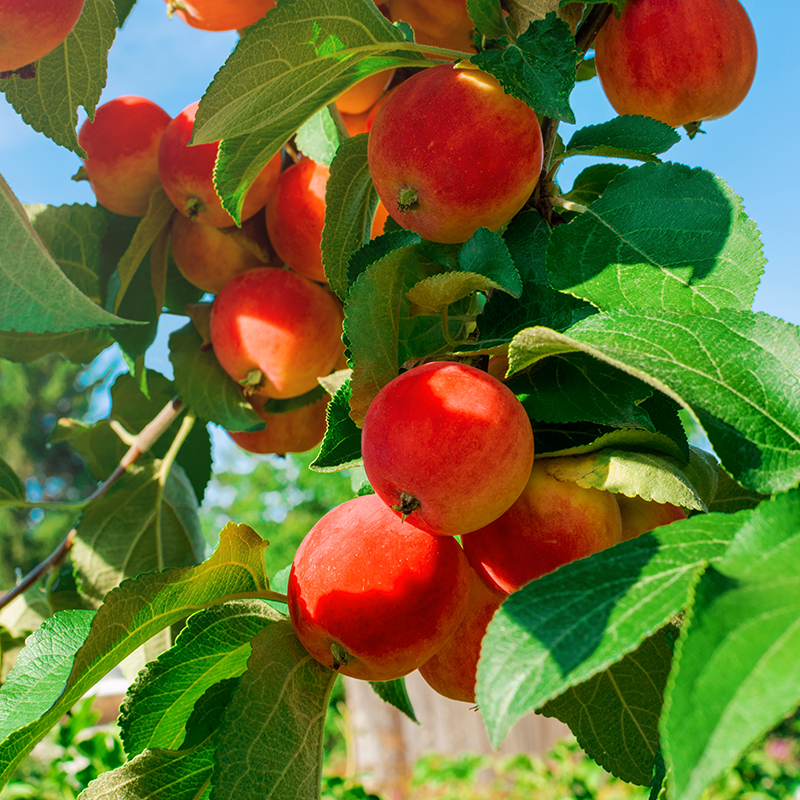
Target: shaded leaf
(341, 447)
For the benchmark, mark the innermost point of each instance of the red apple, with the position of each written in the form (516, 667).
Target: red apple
(294, 431)
(187, 174)
(373, 598)
(447, 446)
(678, 61)
(121, 145)
(444, 23)
(640, 516)
(296, 215)
(445, 181)
(275, 332)
(30, 29)
(212, 15)
(453, 669)
(552, 523)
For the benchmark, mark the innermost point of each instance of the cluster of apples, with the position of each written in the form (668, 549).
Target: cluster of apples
(381, 587)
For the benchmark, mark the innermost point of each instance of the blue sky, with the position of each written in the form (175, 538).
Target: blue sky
(752, 149)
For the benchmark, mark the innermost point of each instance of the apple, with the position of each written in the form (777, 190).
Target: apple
(295, 217)
(640, 516)
(187, 174)
(678, 61)
(121, 145)
(552, 523)
(275, 332)
(379, 220)
(453, 669)
(295, 431)
(364, 94)
(212, 15)
(444, 23)
(210, 257)
(373, 598)
(447, 446)
(446, 181)
(30, 29)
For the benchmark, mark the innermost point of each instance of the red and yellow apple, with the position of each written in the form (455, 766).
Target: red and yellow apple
(364, 94)
(678, 61)
(640, 516)
(187, 174)
(373, 598)
(212, 15)
(275, 332)
(447, 446)
(121, 145)
(445, 181)
(552, 523)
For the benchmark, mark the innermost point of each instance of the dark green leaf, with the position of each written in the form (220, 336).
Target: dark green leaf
(592, 182)
(488, 18)
(637, 137)
(341, 447)
(396, 694)
(11, 488)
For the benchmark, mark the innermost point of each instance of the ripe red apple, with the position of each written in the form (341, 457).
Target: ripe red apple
(275, 332)
(447, 446)
(212, 15)
(445, 181)
(30, 29)
(678, 61)
(444, 23)
(294, 431)
(373, 598)
(121, 145)
(187, 174)
(453, 669)
(210, 257)
(552, 523)
(640, 515)
(296, 215)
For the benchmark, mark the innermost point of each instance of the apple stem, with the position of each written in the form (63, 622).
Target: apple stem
(562, 202)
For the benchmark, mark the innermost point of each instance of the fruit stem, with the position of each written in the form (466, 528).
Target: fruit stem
(562, 202)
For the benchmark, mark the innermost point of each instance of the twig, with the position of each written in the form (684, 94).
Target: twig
(141, 444)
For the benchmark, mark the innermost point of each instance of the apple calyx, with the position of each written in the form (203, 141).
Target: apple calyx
(341, 658)
(253, 381)
(407, 198)
(194, 206)
(407, 505)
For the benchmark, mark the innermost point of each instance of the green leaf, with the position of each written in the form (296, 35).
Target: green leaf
(637, 137)
(592, 182)
(350, 203)
(205, 387)
(732, 496)
(123, 8)
(614, 715)
(736, 660)
(158, 775)
(214, 646)
(288, 690)
(35, 295)
(80, 347)
(72, 75)
(569, 625)
(131, 615)
(298, 58)
(318, 137)
(395, 693)
(739, 390)
(11, 488)
(488, 18)
(539, 68)
(661, 236)
(146, 521)
(341, 447)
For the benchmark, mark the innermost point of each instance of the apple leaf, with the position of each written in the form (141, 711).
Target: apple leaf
(488, 18)
(35, 294)
(341, 447)
(616, 254)
(298, 58)
(288, 690)
(99, 445)
(377, 248)
(350, 203)
(636, 137)
(178, 774)
(123, 8)
(565, 627)
(131, 615)
(739, 391)
(274, 405)
(81, 347)
(614, 715)
(539, 68)
(147, 520)
(214, 646)
(318, 137)
(592, 182)
(11, 489)
(486, 253)
(395, 693)
(72, 75)
(735, 675)
(205, 387)
(732, 496)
